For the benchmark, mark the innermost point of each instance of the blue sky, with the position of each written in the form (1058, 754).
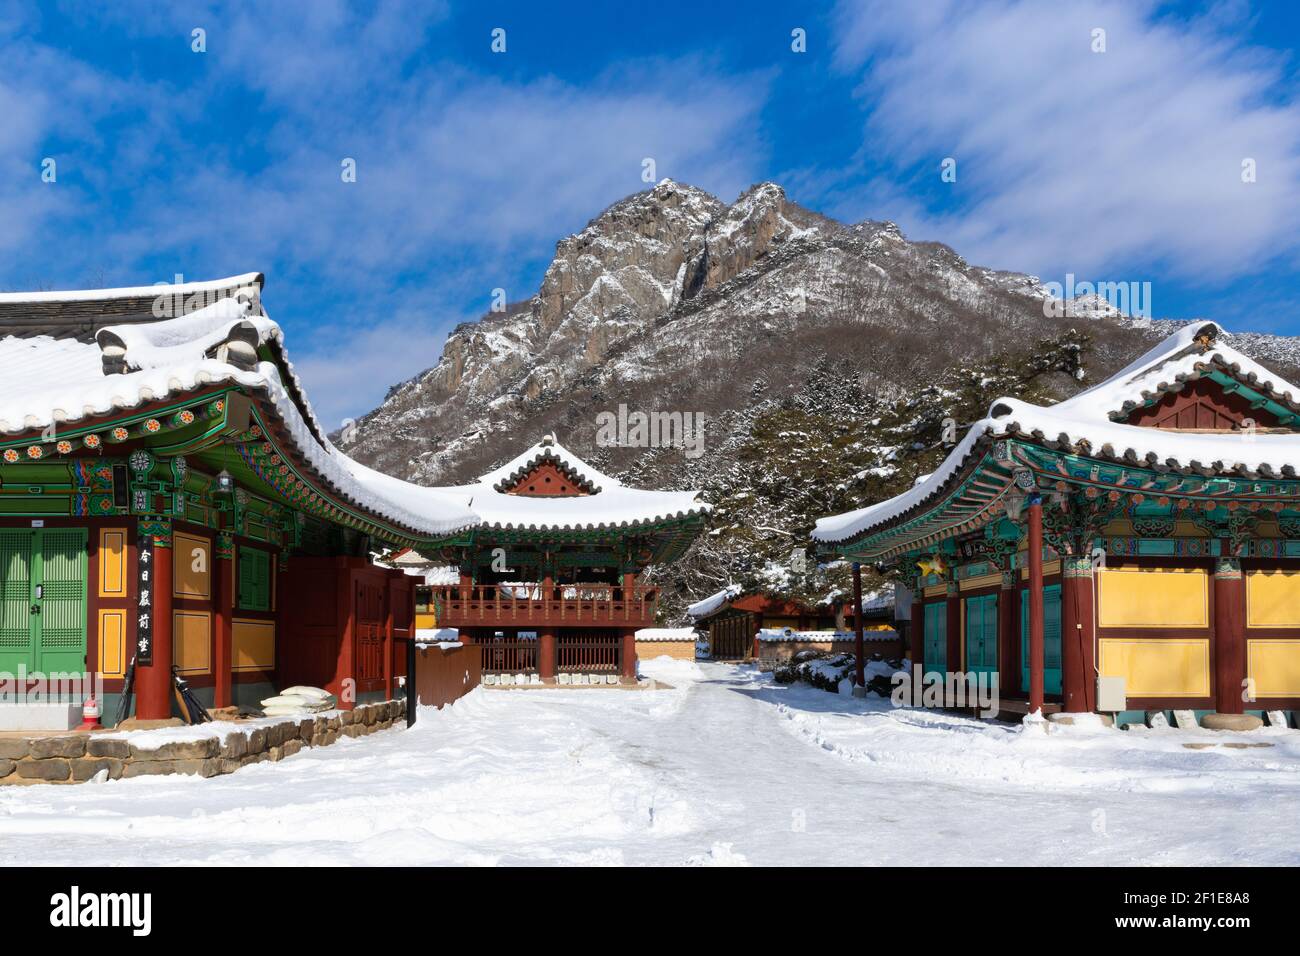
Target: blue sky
(1122, 165)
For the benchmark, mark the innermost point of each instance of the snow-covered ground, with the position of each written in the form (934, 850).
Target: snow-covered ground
(727, 768)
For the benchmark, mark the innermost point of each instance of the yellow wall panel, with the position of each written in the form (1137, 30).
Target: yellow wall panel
(1153, 597)
(1274, 666)
(252, 646)
(192, 641)
(112, 562)
(191, 566)
(983, 581)
(1158, 666)
(1273, 598)
(425, 621)
(112, 642)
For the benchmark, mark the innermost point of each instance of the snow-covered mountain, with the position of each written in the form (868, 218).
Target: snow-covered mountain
(672, 300)
(830, 362)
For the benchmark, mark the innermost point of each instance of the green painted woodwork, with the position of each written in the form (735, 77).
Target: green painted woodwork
(936, 637)
(16, 623)
(253, 570)
(1051, 639)
(982, 634)
(62, 584)
(43, 600)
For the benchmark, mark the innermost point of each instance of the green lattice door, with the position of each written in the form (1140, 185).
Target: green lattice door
(1051, 639)
(982, 634)
(43, 600)
(936, 637)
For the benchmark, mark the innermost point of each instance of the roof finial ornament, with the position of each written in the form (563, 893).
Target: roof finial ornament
(1206, 336)
(548, 439)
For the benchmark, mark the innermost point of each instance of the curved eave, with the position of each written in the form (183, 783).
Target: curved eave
(285, 443)
(953, 507)
(270, 417)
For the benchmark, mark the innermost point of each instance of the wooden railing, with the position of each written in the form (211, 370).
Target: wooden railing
(594, 654)
(566, 605)
(508, 657)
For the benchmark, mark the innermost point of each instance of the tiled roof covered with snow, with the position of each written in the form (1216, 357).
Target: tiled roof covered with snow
(605, 503)
(713, 602)
(1088, 421)
(99, 369)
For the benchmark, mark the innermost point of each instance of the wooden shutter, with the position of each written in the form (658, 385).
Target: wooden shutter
(254, 579)
(982, 633)
(1051, 639)
(936, 639)
(16, 625)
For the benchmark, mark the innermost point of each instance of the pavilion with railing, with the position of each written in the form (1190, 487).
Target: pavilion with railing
(551, 581)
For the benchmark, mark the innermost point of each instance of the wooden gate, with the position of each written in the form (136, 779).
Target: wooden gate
(507, 655)
(732, 638)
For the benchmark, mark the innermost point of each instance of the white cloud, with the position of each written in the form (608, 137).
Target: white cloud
(1113, 162)
(465, 177)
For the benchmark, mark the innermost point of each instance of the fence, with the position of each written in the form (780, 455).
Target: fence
(590, 654)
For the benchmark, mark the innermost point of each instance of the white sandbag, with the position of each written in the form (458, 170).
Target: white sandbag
(283, 700)
(310, 693)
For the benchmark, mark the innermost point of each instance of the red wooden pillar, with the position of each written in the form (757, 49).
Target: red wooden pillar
(1078, 689)
(954, 627)
(918, 631)
(223, 612)
(546, 655)
(1229, 636)
(345, 616)
(1035, 602)
(390, 592)
(629, 654)
(153, 682)
(860, 672)
(1008, 630)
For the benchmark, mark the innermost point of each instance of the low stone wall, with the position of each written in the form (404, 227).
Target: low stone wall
(678, 650)
(888, 648)
(76, 758)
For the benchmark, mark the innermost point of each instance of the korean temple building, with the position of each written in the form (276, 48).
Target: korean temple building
(1140, 540)
(733, 618)
(168, 496)
(550, 583)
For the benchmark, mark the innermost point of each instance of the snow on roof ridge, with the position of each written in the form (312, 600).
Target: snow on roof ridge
(708, 605)
(1167, 362)
(549, 447)
(134, 292)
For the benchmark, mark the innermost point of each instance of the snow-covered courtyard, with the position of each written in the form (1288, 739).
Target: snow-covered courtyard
(725, 768)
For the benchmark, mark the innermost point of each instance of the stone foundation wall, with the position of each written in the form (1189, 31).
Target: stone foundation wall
(75, 758)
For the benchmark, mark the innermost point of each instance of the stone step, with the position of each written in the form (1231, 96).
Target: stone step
(27, 716)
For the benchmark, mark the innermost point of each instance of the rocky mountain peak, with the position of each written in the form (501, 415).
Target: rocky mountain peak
(671, 299)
